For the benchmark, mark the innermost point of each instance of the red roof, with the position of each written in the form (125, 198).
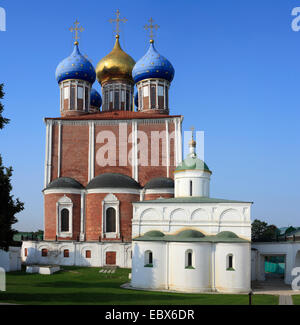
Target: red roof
(114, 115)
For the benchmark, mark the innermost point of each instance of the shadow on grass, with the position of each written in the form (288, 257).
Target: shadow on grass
(132, 298)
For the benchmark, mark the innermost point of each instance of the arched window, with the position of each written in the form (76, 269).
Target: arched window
(110, 220)
(66, 253)
(64, 218)
(229, 263)
(44, 252)
(148, 259)
(88, 254)
(189, 263)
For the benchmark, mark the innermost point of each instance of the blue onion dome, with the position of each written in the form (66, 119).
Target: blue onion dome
(153, 65)
(136, 99)
(96, 100)
(76, 66)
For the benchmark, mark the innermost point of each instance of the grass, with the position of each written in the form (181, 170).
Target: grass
(86, 286)
(296, 299)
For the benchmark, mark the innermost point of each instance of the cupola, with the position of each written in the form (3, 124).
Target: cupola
(75, 76)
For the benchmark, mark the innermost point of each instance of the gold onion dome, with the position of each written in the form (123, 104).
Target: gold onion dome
(115, 66)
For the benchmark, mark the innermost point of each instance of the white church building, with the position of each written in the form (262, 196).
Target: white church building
(192, 242)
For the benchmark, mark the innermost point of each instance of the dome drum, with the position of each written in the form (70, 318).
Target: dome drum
(114, 73)
(117, 96)
(153, 95)
(75, 76)
(74, 97)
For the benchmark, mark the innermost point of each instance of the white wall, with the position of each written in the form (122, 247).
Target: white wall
(76, 253)
(239, 280)
(11, 260)
(288, 249)
(209, 218)
(190, 280)
(200, 183)
(149, 277)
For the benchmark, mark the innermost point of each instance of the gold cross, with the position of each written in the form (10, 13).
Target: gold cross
(192, 129)
(151, 27)
(117, 21)
(76, 29)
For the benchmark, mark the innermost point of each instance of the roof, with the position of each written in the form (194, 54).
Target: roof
(191, 235)
(64, 182)
(194, 163)
(192, 199)
(160, 182)
(115, 115)
(112, 180)
(153, 65)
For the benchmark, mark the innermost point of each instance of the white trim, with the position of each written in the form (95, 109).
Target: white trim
(82, 216)
(110, 201)
(159, 191)
(59, 150)
(168, 148)
(91, 158)
(63, 190)
(64, 203)
(113, 190)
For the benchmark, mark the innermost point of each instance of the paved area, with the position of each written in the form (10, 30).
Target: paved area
(285, 300)
(273, 287)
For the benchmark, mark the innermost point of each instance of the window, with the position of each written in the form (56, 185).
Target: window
(64, 217)
(160, 90)
(191, 188)
(86, 98)
(229, 263)
(127, 100)
(189, 263)
(72, 97)
(145, 91)
(66, 253)
(116, 103)
(110, 220)
(25, 252)
(148, 259)
(66, 92)
(80, 93)
(44, 252)
(88, 254)
(153, 96)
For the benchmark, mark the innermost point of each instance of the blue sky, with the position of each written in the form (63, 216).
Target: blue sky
(236, 78)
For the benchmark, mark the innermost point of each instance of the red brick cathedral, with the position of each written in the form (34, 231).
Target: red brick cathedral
(105, 152)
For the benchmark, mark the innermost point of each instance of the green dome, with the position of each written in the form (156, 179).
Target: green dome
(154, 233)
(190, 234)
(192, 162)
(226, 234)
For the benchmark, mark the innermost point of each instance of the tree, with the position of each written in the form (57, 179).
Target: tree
(8, 206)
(261, 231)
(3, 120)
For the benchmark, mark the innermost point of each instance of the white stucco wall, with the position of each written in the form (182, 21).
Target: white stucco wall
(149, 277)
(11, 260)
(291, 251)
(239, 280)
(209, 218)
(76, 253)
(200, 183)
(190, 280)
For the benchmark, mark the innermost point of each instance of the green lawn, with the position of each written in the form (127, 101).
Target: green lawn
(296, 299)
(79, 285)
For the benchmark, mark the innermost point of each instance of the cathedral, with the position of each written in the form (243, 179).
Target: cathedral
(116, 190)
